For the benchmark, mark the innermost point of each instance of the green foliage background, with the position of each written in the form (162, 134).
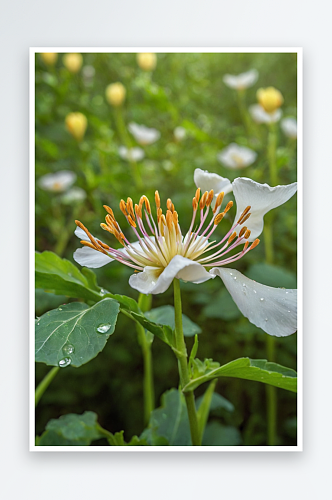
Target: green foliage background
(184, 90)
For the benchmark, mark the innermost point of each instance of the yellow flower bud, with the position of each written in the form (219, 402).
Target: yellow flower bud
(270, 99)
(73, 62)
(49, 58)
(147, 61)
(76, 124)
(115, 94)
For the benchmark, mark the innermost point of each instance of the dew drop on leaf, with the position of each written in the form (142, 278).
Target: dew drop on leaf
(68, 349)
(64, 362)
(103, 328)
(262, 299)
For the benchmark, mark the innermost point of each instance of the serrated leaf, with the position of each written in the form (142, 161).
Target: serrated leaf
(75, 325)
(259, 370)
(164, 315)
(270, 275)
(169, 424)
(61, 277)
(71, 430)
(216, 434)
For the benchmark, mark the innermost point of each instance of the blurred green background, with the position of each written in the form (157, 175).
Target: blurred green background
(186, 90)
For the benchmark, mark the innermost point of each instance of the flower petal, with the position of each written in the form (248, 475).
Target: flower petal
(89, 257)
(272, 309)
(181, 268)
(261, 198)
(235, 156)
(259, 115)
(207, 181)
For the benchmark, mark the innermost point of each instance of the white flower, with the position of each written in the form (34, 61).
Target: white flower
(74, 195)
(179, 133)
(242, 81)
(259, 115)
(58, 182)
(162, 253)
(289, 127)
(143, 135)
(132, 154)
(235, 156)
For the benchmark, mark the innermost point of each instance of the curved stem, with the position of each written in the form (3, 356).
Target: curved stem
(43, 385)
(144, 302)
(183, 365)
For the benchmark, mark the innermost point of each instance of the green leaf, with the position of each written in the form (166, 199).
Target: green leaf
(45, 301)
(272, 275)
(222, 307)
(204, 407)
(163, 332)
(71, 430)
(217, 434)
(60, 276)
(164, 315)
(193, 353)
(259, 370)
(169, 424)
(75, 326)
(117, 439)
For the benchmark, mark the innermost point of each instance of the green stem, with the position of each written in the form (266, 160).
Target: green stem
(122, 130)
(45, 383)
(243, 110)
(144, 303)
(183, 365)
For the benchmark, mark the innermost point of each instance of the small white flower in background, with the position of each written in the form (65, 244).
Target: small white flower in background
(162, 252)
(179, 133)
(132, 154)
(242, 81)
(58, 182)
(74, 195)
(235, 156)
(259, 115)
(88, 73)
(143, 135)
(289, 127)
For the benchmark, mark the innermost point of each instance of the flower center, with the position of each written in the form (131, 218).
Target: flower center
(160, 240)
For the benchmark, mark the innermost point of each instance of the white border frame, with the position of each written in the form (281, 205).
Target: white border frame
(299, 52)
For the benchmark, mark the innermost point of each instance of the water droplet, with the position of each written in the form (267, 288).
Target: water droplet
(103, 328)
(68, 349)
(64, 362)
(243, 284)
(231, 274)
(288, 311)
(59, 308)
(261, 299)
(234, 278)
(266, 319)
(255, 291)
(103, 292)
(283, 376)
(286, 292)
(69, 274)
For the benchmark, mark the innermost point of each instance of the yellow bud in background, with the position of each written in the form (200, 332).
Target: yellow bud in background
(76, 124)
(147, 61)
(115, 94)
(270, 99)
(49, 58)
(73, 62)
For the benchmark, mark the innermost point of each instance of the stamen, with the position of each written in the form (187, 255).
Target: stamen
(169, 204)
(157, 199)
(88, 244)
(195, 204)
(130, 208)
(245, 211)
(138, 210)
(228, 206)
(123, 207)
(210, 198)
(232, 237)
(93, 241)
(197, 194)
(254, 244)
(218, 218)
(247, 234)
(109, 210)
(245, 218)
(131, 221)
(202, 203)
(243, 230)
(219, 201)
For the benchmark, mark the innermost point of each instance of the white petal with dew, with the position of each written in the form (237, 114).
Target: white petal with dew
(207, 181)
(272, 309)
(88, 257)
(261, 198)
(181, 268)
